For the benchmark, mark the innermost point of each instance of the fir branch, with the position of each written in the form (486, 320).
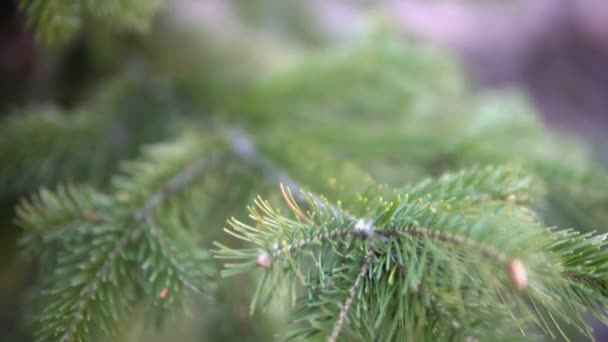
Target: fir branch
(352, 293)
(387, 122)
(39, 147)
(459, 241)
(244, 148)
(496, 180)
(465, 238)
(511, 183)
(56, 21)
(47, 146)
(88, 293)
(132, 217)
(143, 220)
(466, 186)
(183, 268)
(173, 186)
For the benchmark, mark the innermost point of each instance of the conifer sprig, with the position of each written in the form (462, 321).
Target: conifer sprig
(463, 256)
(58, 20)
(45, 146)
(465, 236)
(132, 245)
(38, 147)
(352, 293)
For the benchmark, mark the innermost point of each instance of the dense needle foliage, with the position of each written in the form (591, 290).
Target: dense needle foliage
(386, 201)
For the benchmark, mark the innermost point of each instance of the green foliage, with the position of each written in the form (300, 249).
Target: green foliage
(58, 20)
(39, 147)
(104, 252)
(404, 113)
(457, 246)
(44, 146)
(438, 266)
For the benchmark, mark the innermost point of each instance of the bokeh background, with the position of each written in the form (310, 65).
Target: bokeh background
(554, 51)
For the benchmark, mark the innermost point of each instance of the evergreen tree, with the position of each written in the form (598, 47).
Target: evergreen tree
(369, 192)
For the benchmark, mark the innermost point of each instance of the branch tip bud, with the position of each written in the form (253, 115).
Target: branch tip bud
(263, 260)
(518, 274)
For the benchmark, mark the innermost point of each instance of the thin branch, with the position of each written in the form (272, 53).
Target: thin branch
(142, 216)
(461, 241)
(327, 236)
(452, 321)
(455, 240)
(174, 185)
(352, 293)
(169, 252)
(244, 148)
(89, 291)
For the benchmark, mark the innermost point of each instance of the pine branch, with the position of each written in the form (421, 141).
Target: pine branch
(243, 147)
(57, 21)
(475, 192)
(50, 214)
(90, 290)
(46, 146)
(381, 96)
(444, 252)
(172, 187)
(126, 240)
(482, 184)
(38, 147)
(352, 293)
(471, 185)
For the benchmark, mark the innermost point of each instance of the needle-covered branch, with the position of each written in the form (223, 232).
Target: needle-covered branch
(449, 245)
(47, 146)
(103, 250)
(57, 21)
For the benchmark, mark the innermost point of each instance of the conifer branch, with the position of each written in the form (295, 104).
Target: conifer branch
(170, 253)
(459, 241)
(173, 186)
(484, 234)
(143, 220)
(446, 314)
(45, 146)
(352, 293)
(57, 20)
(41, 147)
(447, 256)
(88, 292)
(114, 225)
(321, 238)
(244, 148)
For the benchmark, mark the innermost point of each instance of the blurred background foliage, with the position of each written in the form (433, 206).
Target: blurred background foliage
(293, 69)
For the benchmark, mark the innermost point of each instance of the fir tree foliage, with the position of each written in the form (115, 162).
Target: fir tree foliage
(490, 219)
(25, 151)
(102, 253)
(463, 260)
(58, 20)
(456, 246)
(416, 117)
(44, 145)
